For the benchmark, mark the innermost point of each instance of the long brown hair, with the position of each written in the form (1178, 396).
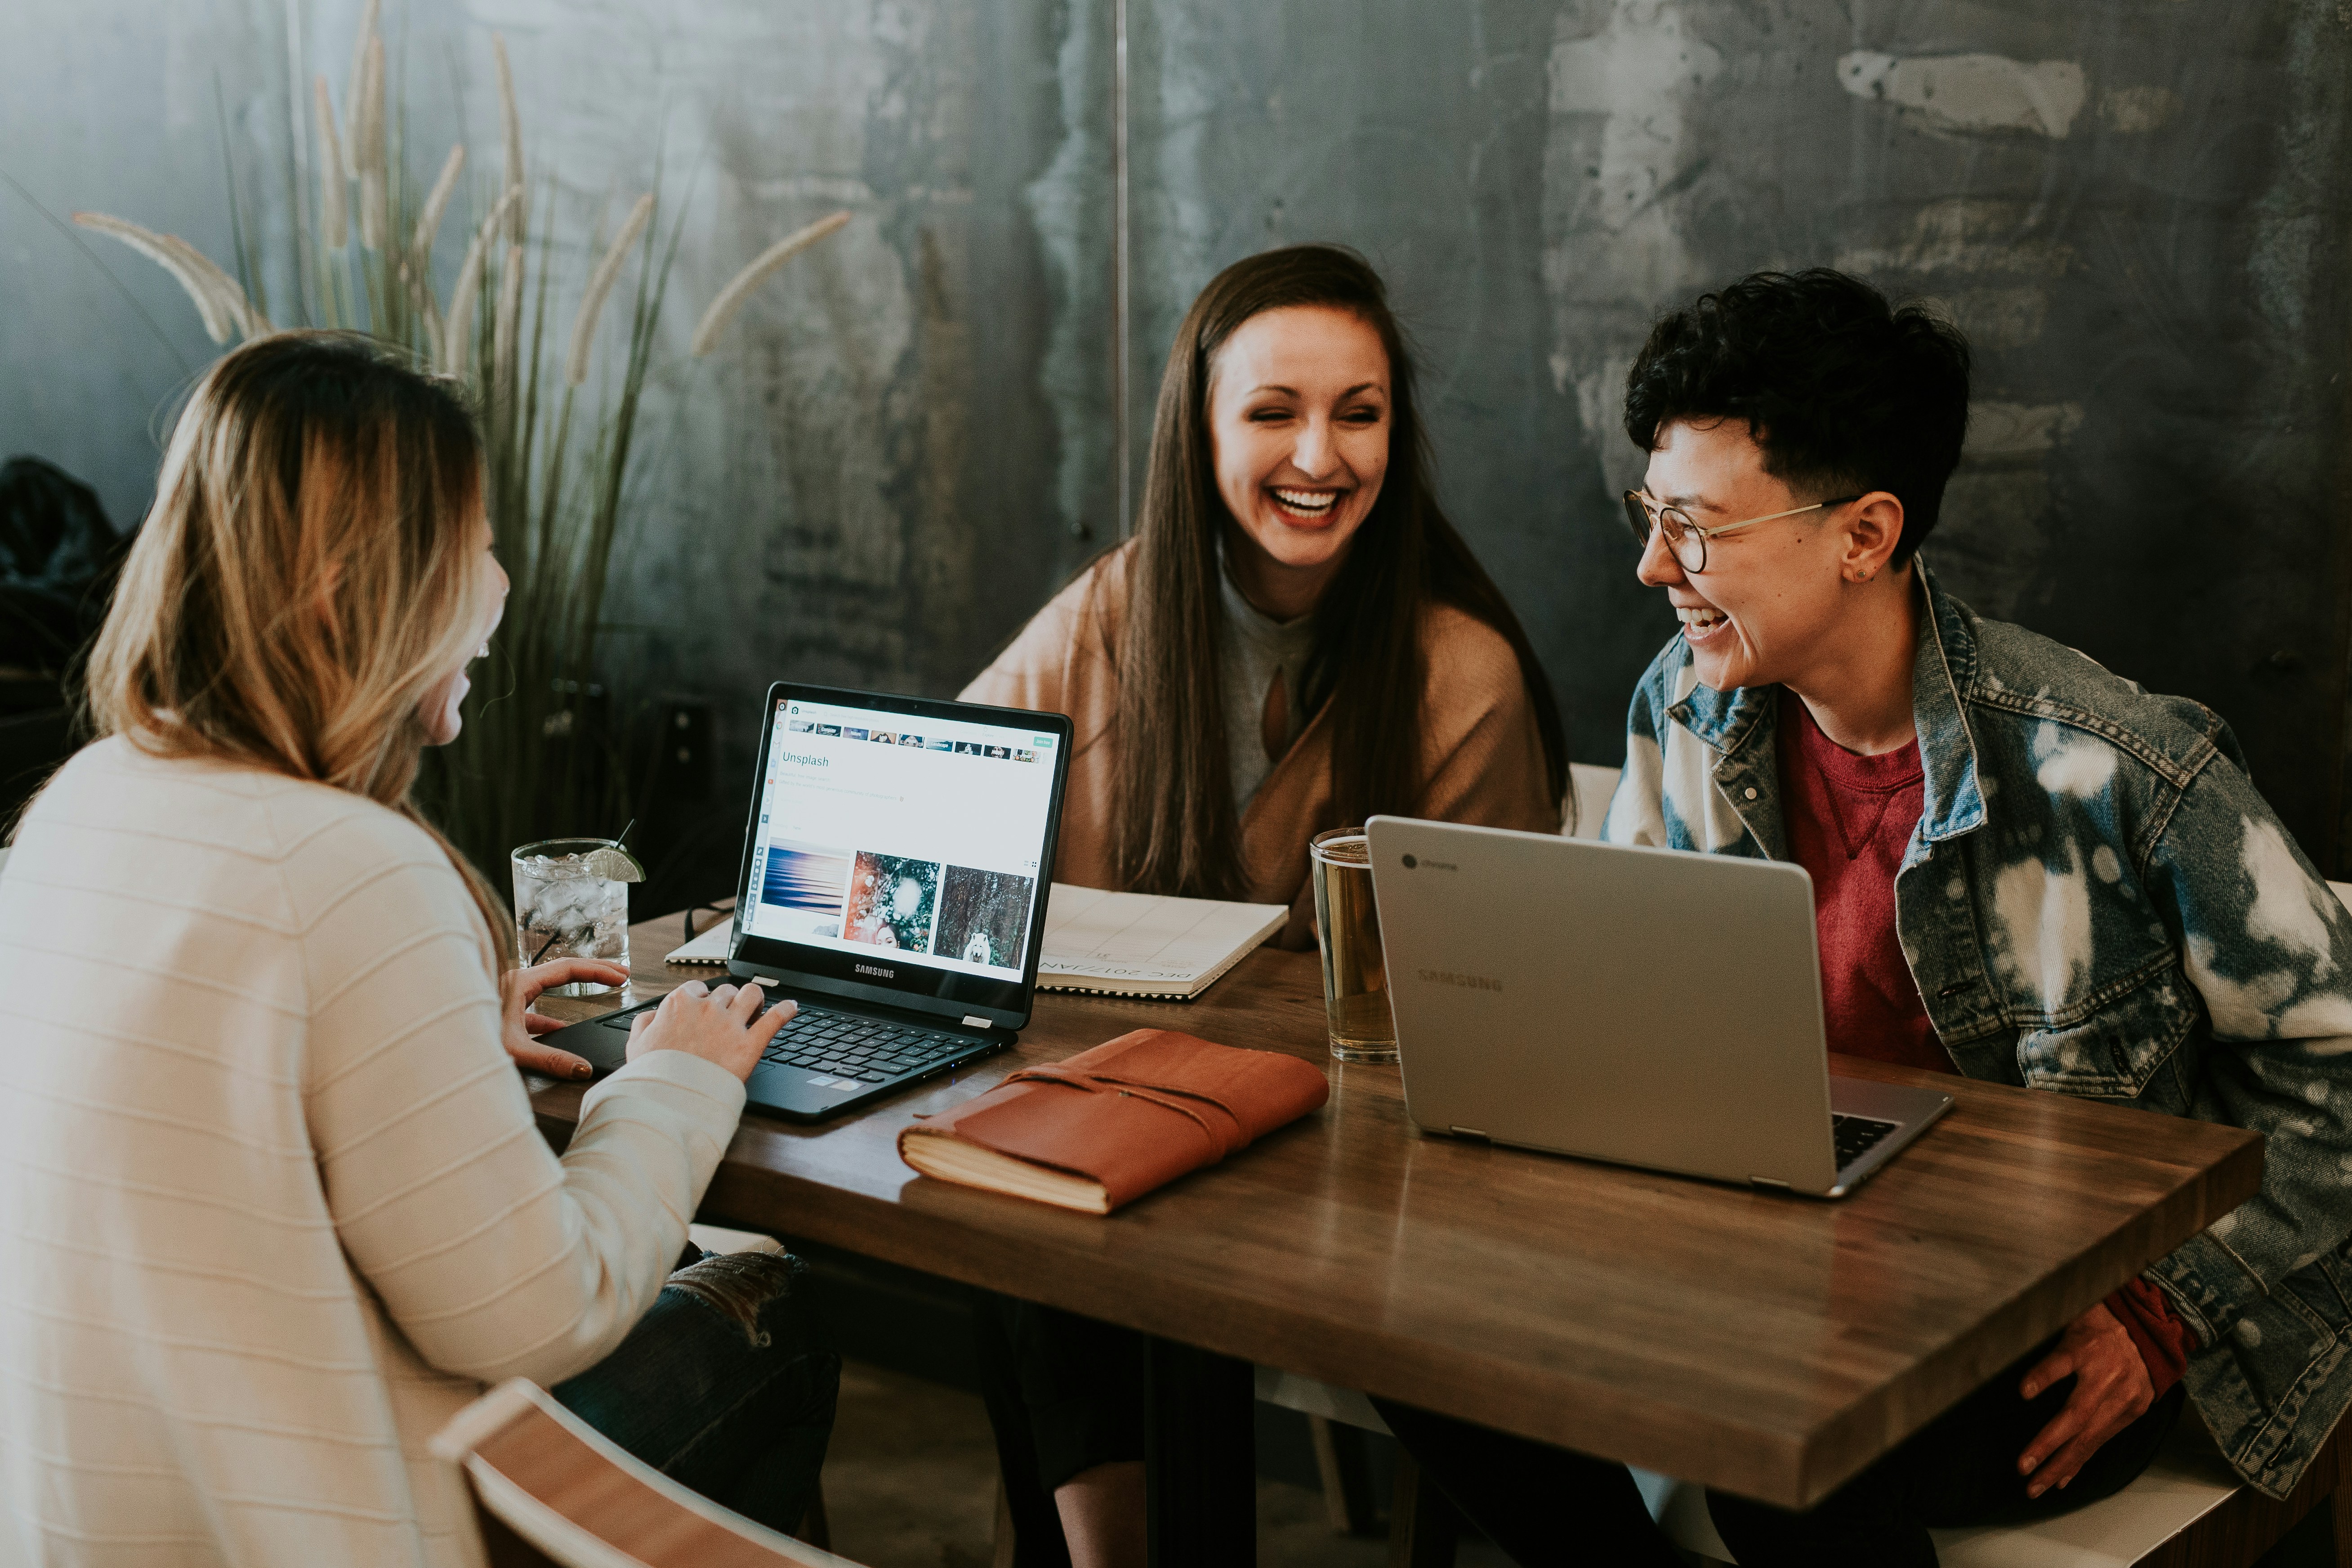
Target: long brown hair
(312, 565)
(1179, 828)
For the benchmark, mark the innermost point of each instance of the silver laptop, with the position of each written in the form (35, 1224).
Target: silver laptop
(1650, 1007)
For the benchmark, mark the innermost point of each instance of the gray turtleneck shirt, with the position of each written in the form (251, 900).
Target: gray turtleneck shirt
(1254, 651)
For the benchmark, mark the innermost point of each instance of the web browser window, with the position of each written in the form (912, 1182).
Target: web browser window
(917, 835)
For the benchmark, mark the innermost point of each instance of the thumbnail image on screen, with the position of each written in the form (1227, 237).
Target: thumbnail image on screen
(983, 915)
(893, 901)
(804, 886)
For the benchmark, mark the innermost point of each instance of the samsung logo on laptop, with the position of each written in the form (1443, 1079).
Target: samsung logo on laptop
(1468, 982)
(881, 973)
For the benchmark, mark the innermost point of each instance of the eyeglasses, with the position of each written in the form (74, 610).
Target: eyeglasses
(1686, 539)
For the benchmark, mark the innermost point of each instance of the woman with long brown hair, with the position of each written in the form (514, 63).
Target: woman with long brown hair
(272, 1202)
(1296, 640)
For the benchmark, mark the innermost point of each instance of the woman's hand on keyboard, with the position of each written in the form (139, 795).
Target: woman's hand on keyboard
(518, 989)
(717, 1025)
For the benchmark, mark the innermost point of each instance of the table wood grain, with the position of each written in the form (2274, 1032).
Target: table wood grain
(1769, 1345)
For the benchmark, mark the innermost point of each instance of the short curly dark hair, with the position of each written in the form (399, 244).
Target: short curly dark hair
(1844, 393)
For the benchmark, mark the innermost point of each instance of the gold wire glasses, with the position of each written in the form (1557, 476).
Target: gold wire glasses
(1686, 539)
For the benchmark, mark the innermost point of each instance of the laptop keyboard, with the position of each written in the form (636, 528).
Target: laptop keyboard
(867, 1049)
(1857, 1136)
(871, 1050)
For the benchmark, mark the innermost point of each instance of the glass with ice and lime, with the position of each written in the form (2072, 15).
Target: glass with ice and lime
(571, 901)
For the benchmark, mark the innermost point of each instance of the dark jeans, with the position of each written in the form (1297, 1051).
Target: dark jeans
(1063, 1394)
(721, 1386)
(1548, 1508)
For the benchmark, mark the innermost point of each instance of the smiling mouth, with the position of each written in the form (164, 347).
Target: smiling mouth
(1699, 619)
(1308, 506)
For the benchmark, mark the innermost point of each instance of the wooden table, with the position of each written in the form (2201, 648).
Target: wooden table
(1768, 1345)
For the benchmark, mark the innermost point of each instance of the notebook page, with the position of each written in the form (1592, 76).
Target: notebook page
(1140, 937)
(712, 946)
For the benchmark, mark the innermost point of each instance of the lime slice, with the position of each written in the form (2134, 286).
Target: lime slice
(615, 865)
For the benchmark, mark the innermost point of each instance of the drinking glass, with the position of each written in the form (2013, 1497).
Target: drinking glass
(1347, 930)
(565, 910)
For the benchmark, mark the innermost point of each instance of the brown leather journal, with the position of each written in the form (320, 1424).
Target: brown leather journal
(1112, 1124)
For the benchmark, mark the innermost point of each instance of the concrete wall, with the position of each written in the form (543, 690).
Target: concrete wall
(2134, 207)
(2126, 204)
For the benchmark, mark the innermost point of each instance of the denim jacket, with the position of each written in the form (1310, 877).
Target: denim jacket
(2097, 901)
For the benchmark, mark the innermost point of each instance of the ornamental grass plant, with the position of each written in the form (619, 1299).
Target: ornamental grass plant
(541, 753)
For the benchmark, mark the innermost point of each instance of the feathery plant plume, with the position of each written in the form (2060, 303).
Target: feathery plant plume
(249, 322)
(416, 266)
(334, 229)
(502, 346)
(592, 304)
(730, 298)
(369, 18)
(429, 219)
(218, 300)
(511, 124)
(367, 150)
(459, 329)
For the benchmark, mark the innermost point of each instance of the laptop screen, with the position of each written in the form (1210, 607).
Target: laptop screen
(905, 847)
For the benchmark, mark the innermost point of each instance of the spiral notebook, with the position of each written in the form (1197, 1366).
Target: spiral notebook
(1147, 944)
(711, 947)
(1111, 944)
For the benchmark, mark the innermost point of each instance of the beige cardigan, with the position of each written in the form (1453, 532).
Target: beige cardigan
(272, 1202)
(1482, 756)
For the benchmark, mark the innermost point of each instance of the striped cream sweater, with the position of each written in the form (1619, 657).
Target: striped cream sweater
(272, 1203)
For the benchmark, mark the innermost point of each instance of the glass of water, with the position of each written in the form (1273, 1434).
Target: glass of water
(1347, 930)
(565, 906)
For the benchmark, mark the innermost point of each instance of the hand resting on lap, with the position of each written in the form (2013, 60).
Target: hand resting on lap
(2112, 1390)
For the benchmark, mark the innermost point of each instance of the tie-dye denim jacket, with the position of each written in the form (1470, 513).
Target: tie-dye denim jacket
(2096, 901)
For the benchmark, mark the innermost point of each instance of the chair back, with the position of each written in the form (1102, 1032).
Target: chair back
(549, 1489)
(1588, 791)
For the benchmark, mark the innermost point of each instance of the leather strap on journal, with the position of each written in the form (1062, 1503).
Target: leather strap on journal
(1137, 1112)
(1225, 1135)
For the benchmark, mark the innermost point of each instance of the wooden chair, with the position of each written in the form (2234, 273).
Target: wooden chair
(2187, 1511)
(715, 1239)
(1589, 788)
(550, 1491)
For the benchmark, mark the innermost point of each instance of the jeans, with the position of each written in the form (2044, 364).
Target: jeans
(722, 1386)
(1548, 1508)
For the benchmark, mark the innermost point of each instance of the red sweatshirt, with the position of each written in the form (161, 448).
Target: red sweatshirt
(1848, 819)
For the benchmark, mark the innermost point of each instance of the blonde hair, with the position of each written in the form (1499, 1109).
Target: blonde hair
(312, 566)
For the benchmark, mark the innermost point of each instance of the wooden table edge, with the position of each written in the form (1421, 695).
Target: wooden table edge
(1790, 1471)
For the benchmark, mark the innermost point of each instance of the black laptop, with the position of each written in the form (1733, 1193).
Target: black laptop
(894, 883)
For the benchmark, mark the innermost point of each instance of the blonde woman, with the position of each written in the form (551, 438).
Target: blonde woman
(272, 1203)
